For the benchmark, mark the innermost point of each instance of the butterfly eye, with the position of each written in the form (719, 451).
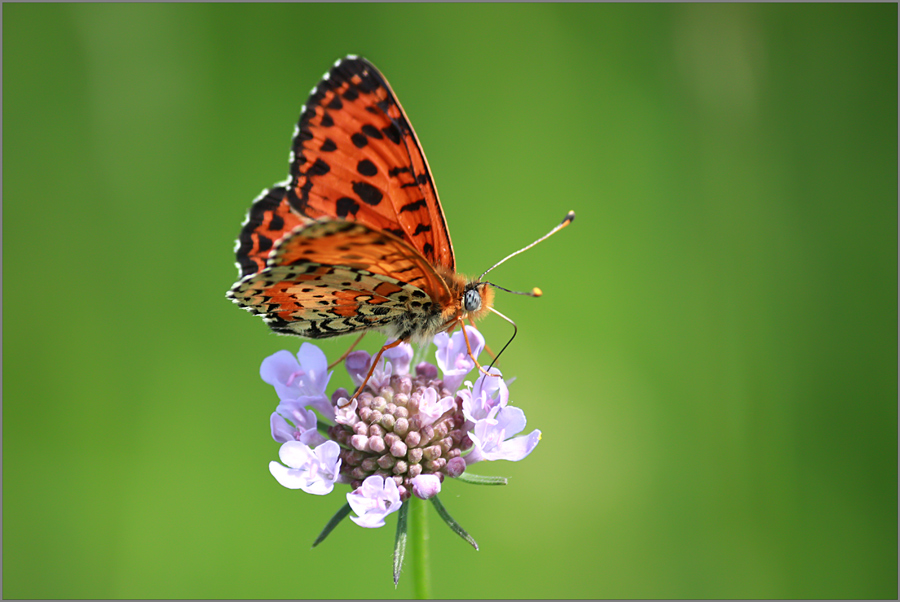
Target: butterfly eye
(472, 300)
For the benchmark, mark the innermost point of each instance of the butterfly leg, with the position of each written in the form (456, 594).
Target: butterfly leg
(469, 349)
(346, 353)
(486, 347)
(372, 369)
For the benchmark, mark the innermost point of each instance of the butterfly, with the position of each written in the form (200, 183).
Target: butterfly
(356, 238)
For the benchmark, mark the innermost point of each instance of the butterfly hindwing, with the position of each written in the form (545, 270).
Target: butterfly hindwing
(356, 157)
(313, 301)
(330, 278)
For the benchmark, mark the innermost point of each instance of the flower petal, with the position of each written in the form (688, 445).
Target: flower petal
(516, 448)
(489, 394)
(281, 430)
(373, 501)
(426, 486)
(314, 363)
(329, 456)
(431, 408)
(287, 477)
(493, 437)
(313, 471)
(357, 364)
(400, 358)
(512, 420)
(293, 377)
(295, 454)
(453, 355)
(322, 404)
(277, 370)
(345, 413)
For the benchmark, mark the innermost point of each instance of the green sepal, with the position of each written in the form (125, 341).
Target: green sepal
(442, 512)
(337, 518)
(400, 542)
(474, 479)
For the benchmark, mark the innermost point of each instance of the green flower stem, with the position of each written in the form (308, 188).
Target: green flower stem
(420, 554)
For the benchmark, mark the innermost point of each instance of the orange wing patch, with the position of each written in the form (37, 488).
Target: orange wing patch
(356, 157)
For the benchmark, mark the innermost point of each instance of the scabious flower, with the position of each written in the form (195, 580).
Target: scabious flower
(312, 470)
(301, 380)
(404, 432)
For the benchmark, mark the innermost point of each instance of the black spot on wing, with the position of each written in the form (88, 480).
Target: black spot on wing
(366, 168)
(359, 140)
(319, 168)
(414, 205)
(367, 193)
(372, 132)
(346, 206)
(392, 132)
(265, 243)
(276, 223)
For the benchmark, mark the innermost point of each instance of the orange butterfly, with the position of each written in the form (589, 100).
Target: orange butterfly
(357, 239)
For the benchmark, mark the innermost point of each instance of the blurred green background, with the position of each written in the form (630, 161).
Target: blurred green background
(713, 364)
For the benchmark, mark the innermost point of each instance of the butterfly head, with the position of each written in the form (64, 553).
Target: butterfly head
(477, 299)
(472, 299)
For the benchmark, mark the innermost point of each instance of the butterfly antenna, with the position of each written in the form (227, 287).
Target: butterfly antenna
(515, 331)
(566, 221)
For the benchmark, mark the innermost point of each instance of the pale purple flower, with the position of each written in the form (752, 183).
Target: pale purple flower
(431, 407)
(400, 358)
(394, 362)
(357, 364)
(304, 427)
(303, 378)
(453, 355)
(488, 395)
(345, 413)
(426, 486)
(373, 501)
(312, 470)
(494, 438)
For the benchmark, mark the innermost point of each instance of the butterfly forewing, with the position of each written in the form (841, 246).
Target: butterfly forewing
(356, 157)
(268, 220)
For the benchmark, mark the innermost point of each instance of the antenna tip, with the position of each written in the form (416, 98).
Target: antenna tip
(536, 292)
(570, 217)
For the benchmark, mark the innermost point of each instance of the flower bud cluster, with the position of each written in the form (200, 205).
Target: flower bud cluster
(394, 433)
